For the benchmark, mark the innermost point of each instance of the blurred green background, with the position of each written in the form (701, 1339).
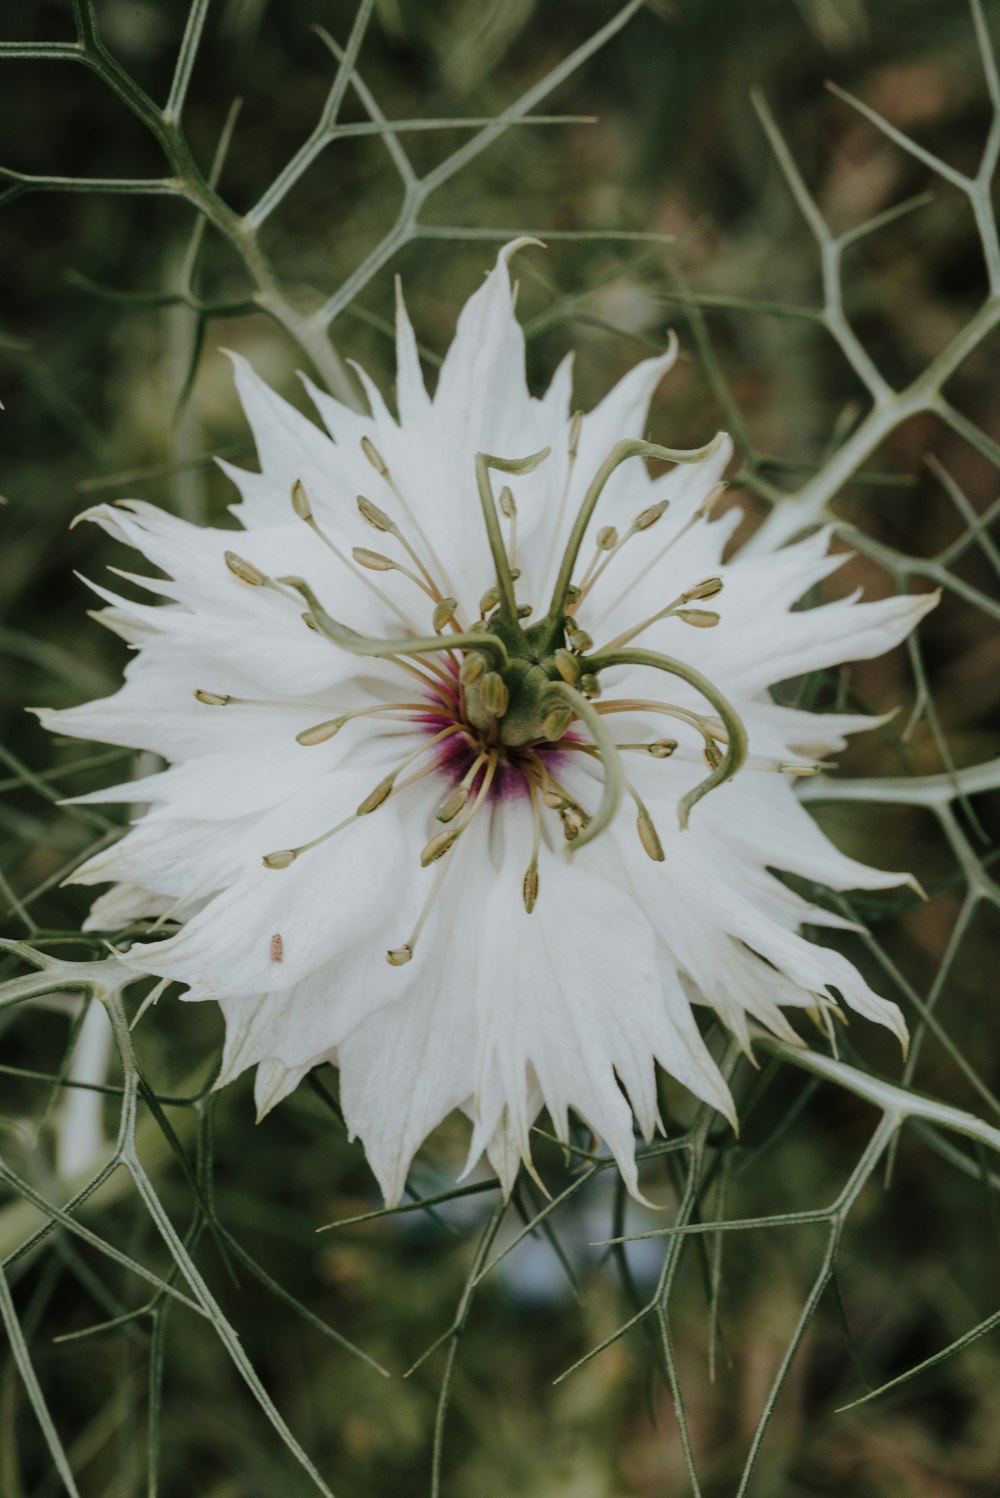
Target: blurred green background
(120, 392)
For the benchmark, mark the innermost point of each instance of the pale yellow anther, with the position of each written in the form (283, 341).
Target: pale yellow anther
(529, 889)
(662, 748)
(489, 601)
(710, 501)
(282, 859)
(506, 503)
(439, 845)
(444, 613)
(320, 733)
(650, 515)
(697, 618)
(373, 560)
(212, 699)
(453, 803)
(493, 694)
(707, 588)
(398, 956)
(567, 665)
(649, 837)
(374, 798)
(245, 571)
(589, 685)
(374, 516)
(556, 722)
(607, 538)
(472, 668)
(300, 501)
(578, 638)
(374, 457)
(574, 433)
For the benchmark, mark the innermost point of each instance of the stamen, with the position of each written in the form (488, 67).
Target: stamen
(529, 885)
(619, 454)
(387, 784)
(376, 561)
(303, 509)
(457, 798)
(442, 842)
(380, 466)
(321, 733)
(607, 540)
(382, 522)
(285, 857)
(225, 699)
(709, 587)
(703, 511)
(508, 509)
(400, 956)
(444, 614)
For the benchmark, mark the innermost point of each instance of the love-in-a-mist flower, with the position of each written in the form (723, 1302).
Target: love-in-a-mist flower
(476, 783)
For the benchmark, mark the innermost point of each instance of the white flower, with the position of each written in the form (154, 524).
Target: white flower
(429, 816)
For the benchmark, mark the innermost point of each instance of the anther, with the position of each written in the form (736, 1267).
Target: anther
(399, 956)
(567, 665)
(245, 571)
(524, 610)
(648, 836)
(697, 618)
(453, 803)
(300, 501)
(373, 560)
(607, 538)
(589, 685)
(709, 587)
(529, 888)
(802, 771)
(710, 501)
(374, 516)
(444, 613)
(489, 601)
(282, 859)
(574, 434)
(374, 457)
(662, 748)
(472, 668)
(212, 699)
(650, 515)
(493, 694)
(556, 722)
(506, 504)
(320, 733)
(439, 845)
(578, 638)
(374, 798)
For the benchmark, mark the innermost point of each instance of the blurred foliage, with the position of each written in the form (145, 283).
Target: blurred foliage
(108, 396)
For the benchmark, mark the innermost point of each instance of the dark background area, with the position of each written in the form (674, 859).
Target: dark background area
(115, 395)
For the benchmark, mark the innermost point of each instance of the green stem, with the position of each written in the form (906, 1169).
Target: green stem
(349, 639)
(736, 750)
(505, 583)
(614, 778)
(630, 447)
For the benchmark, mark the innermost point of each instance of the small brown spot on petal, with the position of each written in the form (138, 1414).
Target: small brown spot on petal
(277, 948)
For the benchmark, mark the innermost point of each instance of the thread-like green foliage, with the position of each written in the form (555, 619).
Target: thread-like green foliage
(164, 1278)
